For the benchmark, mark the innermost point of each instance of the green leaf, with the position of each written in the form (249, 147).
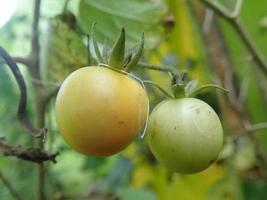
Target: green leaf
(135, 16)
(255, 189)
(227, 188)
(117, 53)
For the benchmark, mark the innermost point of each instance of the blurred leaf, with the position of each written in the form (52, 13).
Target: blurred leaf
(263, 22)
(93, 162)
(120, 172)
(69, 171)
(63, 50)
(142, 175)
(186, 44)
(227, 188)
(135, 16)
(255, 189)
(244, 158)
(134, 194)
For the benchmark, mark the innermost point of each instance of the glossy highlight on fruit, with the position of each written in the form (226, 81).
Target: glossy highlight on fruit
(185, 134)
(100, 111)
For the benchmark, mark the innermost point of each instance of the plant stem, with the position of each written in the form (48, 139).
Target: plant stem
(40, 121)
(252, 129)
(34, 70)
(22, 60)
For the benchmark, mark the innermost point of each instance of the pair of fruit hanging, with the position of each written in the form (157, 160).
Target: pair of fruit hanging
(101, 109)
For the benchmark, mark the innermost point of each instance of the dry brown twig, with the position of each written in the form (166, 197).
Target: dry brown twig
(35, 155)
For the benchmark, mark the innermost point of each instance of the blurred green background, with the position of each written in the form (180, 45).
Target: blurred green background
(177, 33)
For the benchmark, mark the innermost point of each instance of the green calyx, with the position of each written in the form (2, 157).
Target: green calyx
(182, 88)
(116, 57)
(118, 51)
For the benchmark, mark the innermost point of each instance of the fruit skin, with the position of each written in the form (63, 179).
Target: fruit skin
(100, 111)
(184, 134)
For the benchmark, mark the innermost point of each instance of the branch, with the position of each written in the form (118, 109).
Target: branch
(233, 19)
(237, 9)
(35, 155)
(23, 60)
(22, 111)
(10, 188)
(38, 91)
(250, 129)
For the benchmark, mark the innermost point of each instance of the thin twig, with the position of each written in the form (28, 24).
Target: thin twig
(251, 46)
(65, 6)
(34, 56)
(22, 108)
(9, 186)
(218, 8)
(23, 60)
(234, 20)
(251, 129)
(162, 68)
(209, 14)
(237, 9)
(35, 155)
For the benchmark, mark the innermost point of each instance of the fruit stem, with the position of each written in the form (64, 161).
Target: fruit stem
(178, 90)
(159, 88)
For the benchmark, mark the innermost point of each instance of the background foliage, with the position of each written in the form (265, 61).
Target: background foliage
(173, 36)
